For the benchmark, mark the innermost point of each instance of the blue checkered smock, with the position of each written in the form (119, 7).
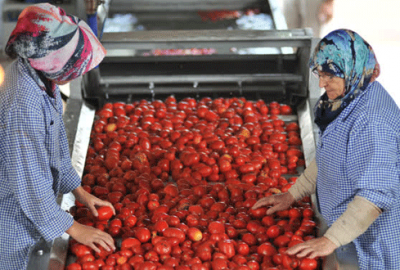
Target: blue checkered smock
(35, 166)
(359, 154)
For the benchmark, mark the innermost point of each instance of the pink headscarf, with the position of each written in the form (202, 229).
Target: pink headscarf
(62, 47)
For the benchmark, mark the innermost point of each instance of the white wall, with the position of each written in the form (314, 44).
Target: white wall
(378, 22)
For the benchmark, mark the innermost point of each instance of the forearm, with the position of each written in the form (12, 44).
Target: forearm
(353, 222)
(74, 229)
(79, 191)
(80, 195)
(306, 183)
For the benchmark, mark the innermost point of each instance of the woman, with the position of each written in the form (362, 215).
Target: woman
(356, 173)
(50, 48)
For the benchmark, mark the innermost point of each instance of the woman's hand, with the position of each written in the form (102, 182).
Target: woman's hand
(91, 236)
(84, 197)
(278, 201)
(317, 247)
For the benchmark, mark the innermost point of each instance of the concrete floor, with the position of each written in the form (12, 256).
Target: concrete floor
(378, 22)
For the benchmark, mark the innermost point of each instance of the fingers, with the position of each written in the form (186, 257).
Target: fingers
(107, 244)
(274, 209)
(305, 252)
(101, 243)
(103, 239)
(110, 241)
(314, 255)
(98, 202)
(94, 247)
(91, 237)
(93, 210)
(295, 249)
(263, 202)
(318, 247)
(94, 201)
(110, 205)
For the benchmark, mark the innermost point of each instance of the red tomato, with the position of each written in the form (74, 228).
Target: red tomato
(258, 213)
(163, 247)
(130, 242)
(116, 222)
(104, 213)
(86, 258)
(282, 241)
(274, 105)
(173, 220)
(216, 227)
(74, 266)
(175, 233)
(308, 264)
(227, 247)
(130, 221)
(224, 165)
(242, 248)
(219, 264)
(80, 250)
(266, 249)
(253, 265)
(147, 265)
(285, 110)
(143, 234)
(292, 127)
(290, 262)
(247, 168)
(89, 266)
(194, 234)
(249, 239)
(294, 213)
(308, 213)
(274, 231)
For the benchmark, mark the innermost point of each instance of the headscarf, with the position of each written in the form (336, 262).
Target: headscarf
(54, 45)
(345, 54)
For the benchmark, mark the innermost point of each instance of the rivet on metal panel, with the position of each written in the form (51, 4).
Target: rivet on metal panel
(195, 84)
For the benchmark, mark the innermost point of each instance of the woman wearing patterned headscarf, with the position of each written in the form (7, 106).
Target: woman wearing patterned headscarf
(50, 48)
(356, 173)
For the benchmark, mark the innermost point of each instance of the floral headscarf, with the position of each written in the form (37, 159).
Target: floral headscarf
(342, 53)
(60, 46)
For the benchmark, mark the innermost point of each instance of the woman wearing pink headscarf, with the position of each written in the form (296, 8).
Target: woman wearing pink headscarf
(50, 48)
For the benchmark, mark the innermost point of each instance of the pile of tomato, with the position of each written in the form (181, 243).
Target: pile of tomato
(219, 15)
(183, 176)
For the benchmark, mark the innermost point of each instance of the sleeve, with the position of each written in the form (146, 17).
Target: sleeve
(372, 157)
(353, 222)
(306, 183)
(70, 179)
(29, 173)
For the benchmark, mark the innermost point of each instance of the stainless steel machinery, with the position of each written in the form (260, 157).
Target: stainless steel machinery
(276, 71)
